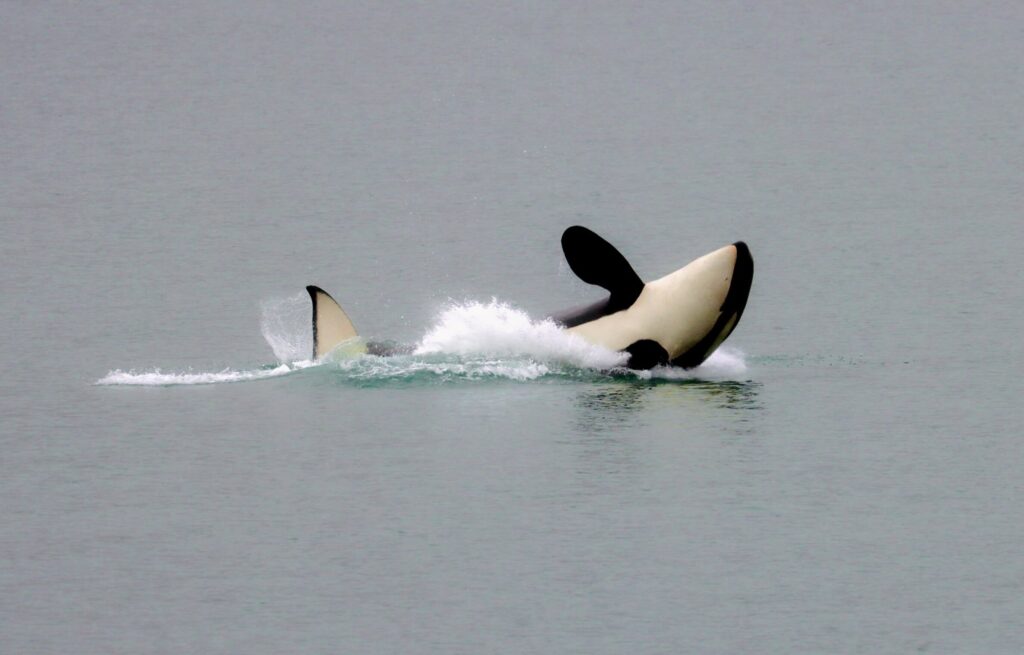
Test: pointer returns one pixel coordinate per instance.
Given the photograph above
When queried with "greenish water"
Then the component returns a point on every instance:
(843, 476)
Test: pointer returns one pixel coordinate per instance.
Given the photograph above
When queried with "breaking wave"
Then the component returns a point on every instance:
(468, 341)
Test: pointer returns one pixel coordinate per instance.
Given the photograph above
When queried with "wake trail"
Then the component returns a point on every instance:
(159, 378)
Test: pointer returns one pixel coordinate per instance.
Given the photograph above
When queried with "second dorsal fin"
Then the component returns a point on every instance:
(331, 325)
(595, 261)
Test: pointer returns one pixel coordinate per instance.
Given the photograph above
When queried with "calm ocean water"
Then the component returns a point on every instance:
(844, 476)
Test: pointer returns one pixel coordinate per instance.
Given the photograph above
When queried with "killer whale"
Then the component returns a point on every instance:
(678, 319)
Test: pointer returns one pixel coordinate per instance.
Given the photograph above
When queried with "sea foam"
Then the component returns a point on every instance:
(498, 329)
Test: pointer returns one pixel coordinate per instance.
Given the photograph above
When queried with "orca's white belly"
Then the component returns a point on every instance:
(677, 311)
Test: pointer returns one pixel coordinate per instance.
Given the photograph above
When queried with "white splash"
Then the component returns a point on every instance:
(285, 324)
(497, 329)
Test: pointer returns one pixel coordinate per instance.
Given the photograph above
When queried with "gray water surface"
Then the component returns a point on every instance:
(848, 480)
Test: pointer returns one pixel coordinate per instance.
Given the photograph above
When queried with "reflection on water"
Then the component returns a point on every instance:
(624, 428)
(623, 403)
(608, 407)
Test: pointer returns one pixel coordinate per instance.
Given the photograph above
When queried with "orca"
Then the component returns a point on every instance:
(678, 319)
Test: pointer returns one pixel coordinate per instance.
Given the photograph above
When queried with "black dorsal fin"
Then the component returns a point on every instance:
(595, 261)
